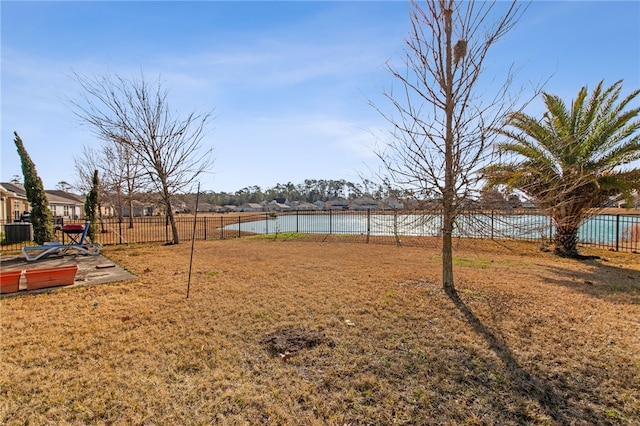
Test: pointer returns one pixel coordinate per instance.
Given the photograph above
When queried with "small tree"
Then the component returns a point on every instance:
(91, 206)
(573, 159)
(40, 217)
(122, 177)
(442, 122)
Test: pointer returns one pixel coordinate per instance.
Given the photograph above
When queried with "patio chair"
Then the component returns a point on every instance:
(79, 244)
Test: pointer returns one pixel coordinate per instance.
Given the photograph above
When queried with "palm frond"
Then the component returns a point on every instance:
(611, 125)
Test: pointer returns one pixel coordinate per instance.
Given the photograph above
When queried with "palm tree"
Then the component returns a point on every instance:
(572, 160)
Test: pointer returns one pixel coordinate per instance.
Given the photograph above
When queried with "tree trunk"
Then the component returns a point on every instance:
(130, 201)
(102, 230)
(565, 241)
(172, 221)
(119, 207)
(448, 190)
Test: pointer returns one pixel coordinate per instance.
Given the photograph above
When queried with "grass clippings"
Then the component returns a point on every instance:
(529, 339)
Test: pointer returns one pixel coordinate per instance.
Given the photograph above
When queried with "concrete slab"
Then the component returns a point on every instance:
(92, 270)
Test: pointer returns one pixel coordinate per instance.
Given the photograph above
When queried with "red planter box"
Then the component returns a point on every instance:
(50, 277)
(10, 281)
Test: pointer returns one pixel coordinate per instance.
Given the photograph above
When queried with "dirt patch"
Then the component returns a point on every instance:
(291, 340)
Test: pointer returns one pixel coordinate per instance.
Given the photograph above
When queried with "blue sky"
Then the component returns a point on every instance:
(288, 81)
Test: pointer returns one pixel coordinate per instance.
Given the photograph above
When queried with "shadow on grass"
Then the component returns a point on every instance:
(521, 381)
(602, 281)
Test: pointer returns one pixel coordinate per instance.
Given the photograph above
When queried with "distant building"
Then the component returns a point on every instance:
(303, 205)
(14, 201)
(139, 209)
(63, 205)
(208, 208)
(337, 204)
(249, 207)
(4, 194)
(365, 203)
(391, 203)
(274, 206)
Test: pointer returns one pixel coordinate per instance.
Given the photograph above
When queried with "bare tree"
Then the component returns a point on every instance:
(134, 116)
(124, 179)
(84, 164)
(442, 122)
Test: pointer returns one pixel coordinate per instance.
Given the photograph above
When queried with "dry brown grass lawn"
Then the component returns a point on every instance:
(533, 339)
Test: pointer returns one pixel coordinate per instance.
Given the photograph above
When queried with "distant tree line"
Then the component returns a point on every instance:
(311, 190)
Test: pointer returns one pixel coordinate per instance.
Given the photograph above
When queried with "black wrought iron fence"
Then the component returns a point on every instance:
(616, 232)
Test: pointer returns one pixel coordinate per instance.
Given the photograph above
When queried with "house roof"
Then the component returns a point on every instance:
(61, 197)
(53, 196)
(365, 201)
(208, 207)
(277, 204)
(251, 205)
(66, 195)
(303, 205)
(16, 188)
(337, 202)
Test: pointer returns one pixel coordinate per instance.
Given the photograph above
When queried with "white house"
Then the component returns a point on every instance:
(65, 205)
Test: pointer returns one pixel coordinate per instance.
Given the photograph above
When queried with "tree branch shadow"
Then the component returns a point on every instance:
(602, 281)
(522, 382)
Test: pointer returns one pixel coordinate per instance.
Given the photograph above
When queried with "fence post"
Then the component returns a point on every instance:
(238, 226)
(395, 226)
(330, 222)
(297, 221)
(492, 224)
(119, 230)
(368, 224)
(617, 232)
(266, 222)
(221, 228)
(204, 218)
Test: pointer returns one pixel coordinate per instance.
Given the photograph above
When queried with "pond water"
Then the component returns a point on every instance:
(605, 229)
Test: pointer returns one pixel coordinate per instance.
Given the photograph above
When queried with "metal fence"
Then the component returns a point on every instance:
(616, 232)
